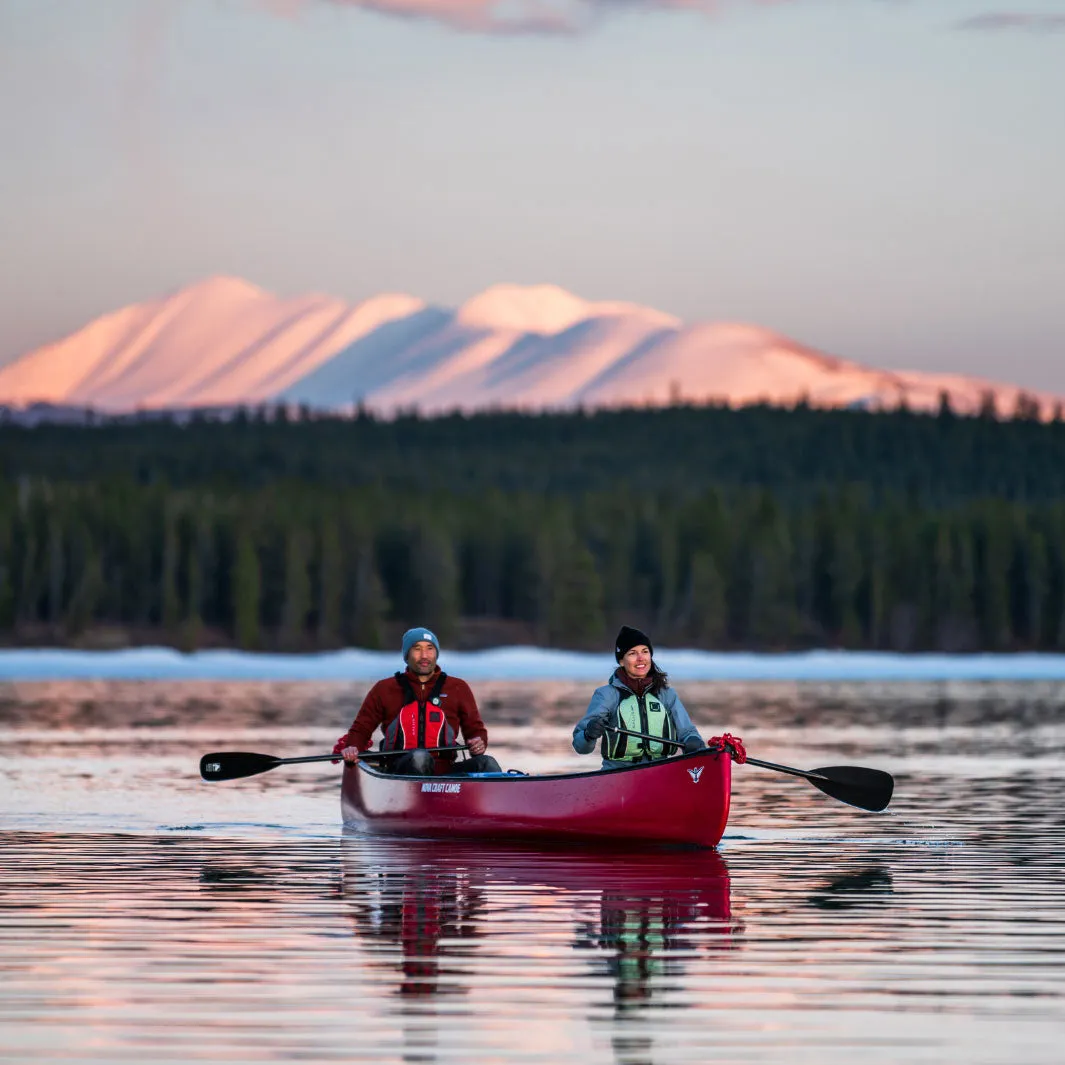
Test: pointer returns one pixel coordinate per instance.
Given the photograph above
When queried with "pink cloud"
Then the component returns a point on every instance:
(573, 16)
(512, 16)
(1001, 20)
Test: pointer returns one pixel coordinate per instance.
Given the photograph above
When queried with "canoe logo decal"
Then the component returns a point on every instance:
(695, 773)
(434, 786)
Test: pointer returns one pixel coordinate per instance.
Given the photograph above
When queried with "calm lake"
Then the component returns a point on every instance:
(147, 915)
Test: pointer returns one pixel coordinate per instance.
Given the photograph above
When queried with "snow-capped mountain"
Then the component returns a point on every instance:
(224, 342)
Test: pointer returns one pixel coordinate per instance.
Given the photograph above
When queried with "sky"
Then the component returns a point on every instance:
(883, 180)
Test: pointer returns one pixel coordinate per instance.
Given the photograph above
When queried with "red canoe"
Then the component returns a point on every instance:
(677, 801)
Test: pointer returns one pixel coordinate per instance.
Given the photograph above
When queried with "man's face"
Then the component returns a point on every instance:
(422, 658)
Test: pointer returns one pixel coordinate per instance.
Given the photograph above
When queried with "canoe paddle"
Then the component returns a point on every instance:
(231, 765)
(868, 789)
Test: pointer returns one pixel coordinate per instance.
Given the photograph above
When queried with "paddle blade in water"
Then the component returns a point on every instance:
(231, 765)
(869, 789)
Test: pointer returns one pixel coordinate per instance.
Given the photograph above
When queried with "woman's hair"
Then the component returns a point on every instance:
(659, 679)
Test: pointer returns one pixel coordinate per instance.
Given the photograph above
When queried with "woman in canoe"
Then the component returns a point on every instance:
(637, 698)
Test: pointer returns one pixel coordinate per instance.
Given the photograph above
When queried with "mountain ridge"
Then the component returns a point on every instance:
(224, 342)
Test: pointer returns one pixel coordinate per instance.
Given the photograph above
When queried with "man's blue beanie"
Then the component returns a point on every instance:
(412, 636)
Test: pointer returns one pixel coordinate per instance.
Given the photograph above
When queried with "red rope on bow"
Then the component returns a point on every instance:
(732, 744)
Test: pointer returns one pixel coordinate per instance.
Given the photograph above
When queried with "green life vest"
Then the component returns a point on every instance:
(641, 939)
(640, 713)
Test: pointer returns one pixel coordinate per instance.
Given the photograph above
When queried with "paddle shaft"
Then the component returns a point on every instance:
(868, 789)
(233, 765)
(365, 754)
(750, 761)
(786, 769)
(410, 750)
(308, 758)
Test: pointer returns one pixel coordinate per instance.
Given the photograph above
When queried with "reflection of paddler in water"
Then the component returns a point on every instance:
(411, 905)
(653, 916)
(663, 904)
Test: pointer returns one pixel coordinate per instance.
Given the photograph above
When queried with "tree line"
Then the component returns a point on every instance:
(300, 564)
(681, 451)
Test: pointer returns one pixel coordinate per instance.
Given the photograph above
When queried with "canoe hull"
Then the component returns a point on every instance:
(681, 801)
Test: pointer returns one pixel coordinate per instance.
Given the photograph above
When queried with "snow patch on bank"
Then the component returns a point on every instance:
(520, 663)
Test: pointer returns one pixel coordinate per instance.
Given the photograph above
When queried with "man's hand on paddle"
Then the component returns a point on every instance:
(476, 745)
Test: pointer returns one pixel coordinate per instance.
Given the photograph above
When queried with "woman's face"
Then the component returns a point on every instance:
(637, 660)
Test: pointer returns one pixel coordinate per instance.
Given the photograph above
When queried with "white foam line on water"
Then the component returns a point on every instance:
(519, 663)
(877, 841)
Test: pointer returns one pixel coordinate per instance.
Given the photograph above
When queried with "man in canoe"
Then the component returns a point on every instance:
(637, 698)
(417, 708)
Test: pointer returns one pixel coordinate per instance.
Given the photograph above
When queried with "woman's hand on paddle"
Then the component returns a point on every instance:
(350, 755)
(476, 745)
(595, 728)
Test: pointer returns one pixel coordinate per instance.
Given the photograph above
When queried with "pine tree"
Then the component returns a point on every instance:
(434, 580)
(764, 580)
(370, 604)
(297, 601)
(170, 599)
(196, 554)
(330, 584)
(992, 562)
(575, 614)
(56, 568)
(708, 617)
(7, 577)
(837, 572)
(27, 556)
(88, 581)
(1027, 586)
(246, 590)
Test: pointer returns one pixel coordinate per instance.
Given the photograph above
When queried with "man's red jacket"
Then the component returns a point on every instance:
(385, 699)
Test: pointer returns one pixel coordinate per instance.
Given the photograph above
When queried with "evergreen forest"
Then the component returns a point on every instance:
(758, 528)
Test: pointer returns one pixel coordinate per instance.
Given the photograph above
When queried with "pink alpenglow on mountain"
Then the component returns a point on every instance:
(220, 342)
(225, 343)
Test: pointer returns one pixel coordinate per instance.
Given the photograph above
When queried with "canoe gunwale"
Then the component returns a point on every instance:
(596, 774)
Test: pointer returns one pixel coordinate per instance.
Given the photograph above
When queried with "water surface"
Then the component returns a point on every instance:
(145, 914)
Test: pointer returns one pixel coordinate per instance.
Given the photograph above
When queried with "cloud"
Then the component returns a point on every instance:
(574, 16)
(513, 16)
(1033, 23)
(484, 16)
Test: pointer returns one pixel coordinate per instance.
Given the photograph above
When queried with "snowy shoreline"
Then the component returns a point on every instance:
(519, 663)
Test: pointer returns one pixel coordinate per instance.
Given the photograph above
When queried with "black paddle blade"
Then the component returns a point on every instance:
(869, 789)
(231, 765)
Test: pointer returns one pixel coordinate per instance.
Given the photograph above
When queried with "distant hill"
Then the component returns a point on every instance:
(225, 343)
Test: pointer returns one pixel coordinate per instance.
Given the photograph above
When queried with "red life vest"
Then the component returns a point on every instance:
(418, 723)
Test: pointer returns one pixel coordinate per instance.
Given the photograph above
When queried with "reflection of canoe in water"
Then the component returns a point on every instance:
(433, 900)
(677, 801)
(643, 873)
